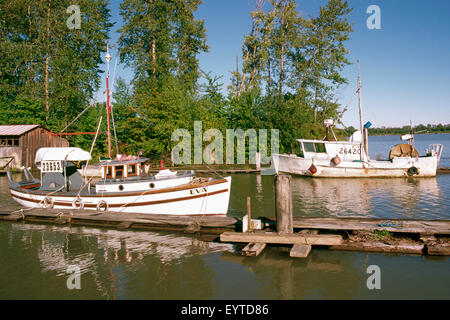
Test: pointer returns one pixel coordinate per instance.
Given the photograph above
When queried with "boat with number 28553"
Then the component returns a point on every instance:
(124, 186)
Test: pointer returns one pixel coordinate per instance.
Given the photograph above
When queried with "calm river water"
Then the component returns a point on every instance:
(114, 264)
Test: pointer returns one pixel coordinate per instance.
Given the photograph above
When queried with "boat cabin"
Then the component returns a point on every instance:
(319, 149)
(121, 169)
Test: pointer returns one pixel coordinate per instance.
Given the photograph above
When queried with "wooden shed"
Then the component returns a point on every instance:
(19, 143)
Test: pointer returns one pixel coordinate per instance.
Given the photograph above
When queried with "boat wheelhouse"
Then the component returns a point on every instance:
(132, 170)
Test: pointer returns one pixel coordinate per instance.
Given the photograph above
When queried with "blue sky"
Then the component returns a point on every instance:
(405, 66)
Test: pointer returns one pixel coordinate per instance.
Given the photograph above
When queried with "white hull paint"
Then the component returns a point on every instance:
(398, 167)
(209, 198)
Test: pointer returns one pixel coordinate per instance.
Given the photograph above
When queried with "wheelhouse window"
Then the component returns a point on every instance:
(309, 147)
(119, 172)
(132, 170)
(316, 147)
(320, 147)
(299, 150)
(108, 172)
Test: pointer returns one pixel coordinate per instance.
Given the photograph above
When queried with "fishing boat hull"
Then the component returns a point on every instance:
(203, 198)
(397, 167)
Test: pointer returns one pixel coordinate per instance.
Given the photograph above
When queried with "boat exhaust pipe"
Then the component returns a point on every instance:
(27, 174)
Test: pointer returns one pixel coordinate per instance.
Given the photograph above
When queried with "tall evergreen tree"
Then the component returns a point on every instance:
(46, 61)
(160, 41)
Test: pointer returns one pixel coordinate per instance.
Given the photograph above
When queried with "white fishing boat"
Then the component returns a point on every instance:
(124, 187)
(318, 158)
(349, 159)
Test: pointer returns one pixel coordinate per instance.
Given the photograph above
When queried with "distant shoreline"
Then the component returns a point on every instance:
(399, 134)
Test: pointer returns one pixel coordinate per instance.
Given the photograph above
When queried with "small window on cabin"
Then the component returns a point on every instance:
(299, 150)
(16, 142)
(119, 172)
(108, 172)
(320, 147)
(132, 170)
(309, 147)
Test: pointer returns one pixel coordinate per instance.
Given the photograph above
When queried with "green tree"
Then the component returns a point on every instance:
(44, 60)
(160, 41)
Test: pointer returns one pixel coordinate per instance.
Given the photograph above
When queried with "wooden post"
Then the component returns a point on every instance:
(258, 161)
(249, 213)
(283, 204)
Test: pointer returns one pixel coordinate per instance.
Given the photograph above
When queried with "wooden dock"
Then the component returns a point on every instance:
(430, 237)
(122, 220)
(299, 234)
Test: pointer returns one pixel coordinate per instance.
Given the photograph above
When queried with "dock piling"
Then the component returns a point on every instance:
(283, 204)
(249, 213)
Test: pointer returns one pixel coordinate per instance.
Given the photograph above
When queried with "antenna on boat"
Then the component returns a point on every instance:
(363, 136)
(108, 105)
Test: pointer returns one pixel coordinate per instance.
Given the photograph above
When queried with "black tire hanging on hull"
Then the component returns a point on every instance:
(412, 171)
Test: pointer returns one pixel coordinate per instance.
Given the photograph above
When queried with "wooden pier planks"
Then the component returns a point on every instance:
(432, 241)
(213, 224)
(253, 249)
(438, 249)
(300, 251)
(370, 224)
(275, 238)
(378, 246)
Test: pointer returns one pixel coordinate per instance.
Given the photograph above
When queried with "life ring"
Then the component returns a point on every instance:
(102, 206)
(412, 171)
(48, 202)
(312, 169)
(336, 160)
(78, 203)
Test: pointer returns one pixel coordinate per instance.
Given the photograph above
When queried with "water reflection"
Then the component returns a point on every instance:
(109, 260)
(417, 198)
(385, 198)
(315, 277)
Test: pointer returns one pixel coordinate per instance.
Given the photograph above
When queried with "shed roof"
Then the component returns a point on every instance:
(16, 130)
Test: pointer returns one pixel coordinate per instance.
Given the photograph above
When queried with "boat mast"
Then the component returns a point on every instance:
(108, 105)
(363, 144)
